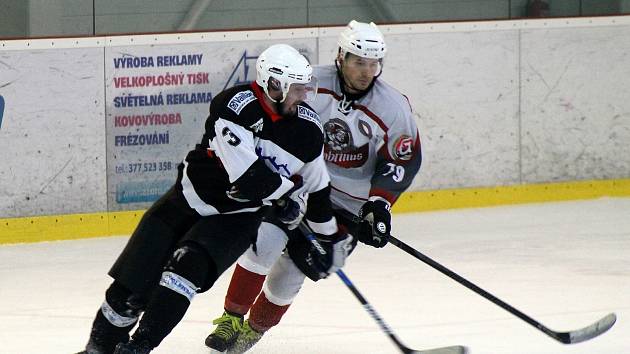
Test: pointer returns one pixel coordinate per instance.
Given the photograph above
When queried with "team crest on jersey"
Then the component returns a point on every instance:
(309, 115)
(240, 100)
(340, 148)
(403, 147)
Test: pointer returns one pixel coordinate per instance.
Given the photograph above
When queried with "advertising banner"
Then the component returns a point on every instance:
(158, 99)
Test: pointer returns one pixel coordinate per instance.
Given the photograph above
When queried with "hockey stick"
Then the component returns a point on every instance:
(570, 337)
(372, 312)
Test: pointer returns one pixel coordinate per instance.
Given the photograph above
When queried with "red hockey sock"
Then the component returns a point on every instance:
(265, 314)
(244, 288)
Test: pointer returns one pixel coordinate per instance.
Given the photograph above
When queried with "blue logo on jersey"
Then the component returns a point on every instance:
(272, 160)
(1, 109)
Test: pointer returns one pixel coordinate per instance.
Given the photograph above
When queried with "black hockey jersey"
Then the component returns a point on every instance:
(248, 153)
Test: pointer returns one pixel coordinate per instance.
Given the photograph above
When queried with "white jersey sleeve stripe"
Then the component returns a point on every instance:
(284, 187)
(325, 228)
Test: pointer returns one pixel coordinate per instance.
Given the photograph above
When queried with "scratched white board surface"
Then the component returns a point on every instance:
(575, 107)
(52, 145)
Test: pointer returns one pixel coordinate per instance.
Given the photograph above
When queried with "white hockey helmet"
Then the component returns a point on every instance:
(362, 39)
(285, 64)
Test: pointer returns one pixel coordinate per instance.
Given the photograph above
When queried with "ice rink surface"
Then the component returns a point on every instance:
(564, 264)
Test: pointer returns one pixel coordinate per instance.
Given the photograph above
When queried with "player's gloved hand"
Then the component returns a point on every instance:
(317, 260)
(375, 224)
(333, 253)
(291, 207)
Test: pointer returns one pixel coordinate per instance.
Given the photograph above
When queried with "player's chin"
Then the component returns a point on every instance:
(362, 85)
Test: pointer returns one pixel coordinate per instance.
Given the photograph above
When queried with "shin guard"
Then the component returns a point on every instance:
(265, 314)
(244, 288)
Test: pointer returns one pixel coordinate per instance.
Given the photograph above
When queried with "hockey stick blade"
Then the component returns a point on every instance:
(577, 336)
(586, 333)
(390, 333)
(457, 349)
(308, 233)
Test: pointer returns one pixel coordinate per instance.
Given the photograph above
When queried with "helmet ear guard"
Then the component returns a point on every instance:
(286, 65)
(274, 84)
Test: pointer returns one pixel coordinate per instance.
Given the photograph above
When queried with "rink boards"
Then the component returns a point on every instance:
(92, 129)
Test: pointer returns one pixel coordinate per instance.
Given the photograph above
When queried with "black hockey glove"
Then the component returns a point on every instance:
(375, 224)
(319, 260)
(291, 207)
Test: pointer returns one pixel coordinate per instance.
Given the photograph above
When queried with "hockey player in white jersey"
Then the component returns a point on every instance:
(372, 152)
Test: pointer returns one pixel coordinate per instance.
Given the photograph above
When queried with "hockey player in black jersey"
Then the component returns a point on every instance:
(261, 144)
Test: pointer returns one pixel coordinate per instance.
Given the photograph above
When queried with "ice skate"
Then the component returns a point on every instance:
(246, 339)
(133, 347)
(224, 336)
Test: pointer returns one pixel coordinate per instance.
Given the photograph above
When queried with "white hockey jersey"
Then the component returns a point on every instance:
(372, 145)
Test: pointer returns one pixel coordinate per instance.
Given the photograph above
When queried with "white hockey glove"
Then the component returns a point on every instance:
(339, 249)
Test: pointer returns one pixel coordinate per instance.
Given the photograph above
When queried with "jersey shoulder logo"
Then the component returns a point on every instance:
(240, 100)
(309, 115)
(403, 147)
